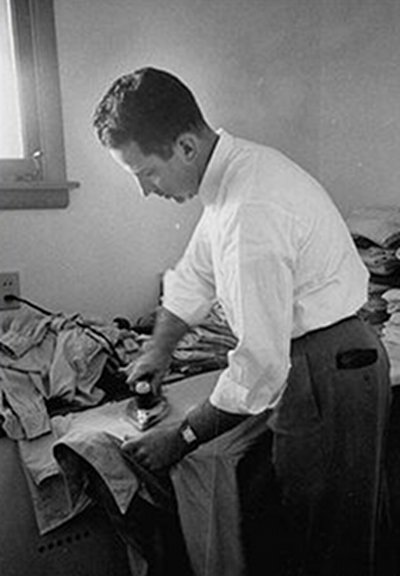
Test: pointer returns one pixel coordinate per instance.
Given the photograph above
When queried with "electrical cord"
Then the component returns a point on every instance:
(91, 331)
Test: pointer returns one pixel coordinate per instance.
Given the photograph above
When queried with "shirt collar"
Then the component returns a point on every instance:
(215, 170)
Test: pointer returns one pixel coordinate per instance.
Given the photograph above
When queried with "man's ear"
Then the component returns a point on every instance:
(187, 147)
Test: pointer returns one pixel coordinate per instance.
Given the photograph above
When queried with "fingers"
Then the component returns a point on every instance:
(155, 450)
(130, 371)
(135, 371)
(137, 453)
(133, 449)
(151, 365)
(128, 443)
(153, 376)
(156, 382)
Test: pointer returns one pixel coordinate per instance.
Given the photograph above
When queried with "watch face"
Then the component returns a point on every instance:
(188, 435)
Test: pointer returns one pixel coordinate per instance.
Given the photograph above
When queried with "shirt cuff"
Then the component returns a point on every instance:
(230, 396)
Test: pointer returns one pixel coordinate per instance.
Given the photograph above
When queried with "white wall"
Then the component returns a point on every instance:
(318, 79)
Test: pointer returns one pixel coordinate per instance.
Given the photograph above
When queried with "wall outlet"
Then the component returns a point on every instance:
(9, 285)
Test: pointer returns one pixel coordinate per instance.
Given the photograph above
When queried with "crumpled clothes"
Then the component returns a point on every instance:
(391, 332)
(391, 328)
(22, 332)
(47, 358)
(57, 482)
(392, 298)
(205, 347)
(381, 225)
(22, 397)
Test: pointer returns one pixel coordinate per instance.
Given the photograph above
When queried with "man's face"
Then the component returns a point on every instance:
(175, 178)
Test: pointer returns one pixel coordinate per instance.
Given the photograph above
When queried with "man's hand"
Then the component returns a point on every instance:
(157, 449)
(151, 365)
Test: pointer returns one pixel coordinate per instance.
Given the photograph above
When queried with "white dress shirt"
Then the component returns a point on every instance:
(274, 250)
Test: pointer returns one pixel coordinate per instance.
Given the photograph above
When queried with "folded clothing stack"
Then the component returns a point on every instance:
(391, 331)
(204, 348)
(376, 233)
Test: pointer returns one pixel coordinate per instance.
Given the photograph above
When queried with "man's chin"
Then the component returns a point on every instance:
(179, 199)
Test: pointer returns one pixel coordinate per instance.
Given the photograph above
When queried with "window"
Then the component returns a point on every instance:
(32, 164)
(11, 134)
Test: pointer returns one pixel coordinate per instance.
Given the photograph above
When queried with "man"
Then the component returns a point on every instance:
(271, 246)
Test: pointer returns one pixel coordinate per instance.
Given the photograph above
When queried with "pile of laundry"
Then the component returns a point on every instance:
(376, 233)
(54, 361)
(391, 329)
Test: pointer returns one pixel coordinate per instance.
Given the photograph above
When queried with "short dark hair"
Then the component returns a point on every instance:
(150, 107)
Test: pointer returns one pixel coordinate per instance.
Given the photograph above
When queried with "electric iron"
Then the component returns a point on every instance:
(146, 409)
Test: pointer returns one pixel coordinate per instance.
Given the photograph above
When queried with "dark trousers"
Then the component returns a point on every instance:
(328, 445)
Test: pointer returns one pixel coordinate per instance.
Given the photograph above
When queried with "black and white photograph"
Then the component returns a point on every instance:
(199, 288)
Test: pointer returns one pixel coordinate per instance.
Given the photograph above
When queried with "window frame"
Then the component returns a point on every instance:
(39, 179)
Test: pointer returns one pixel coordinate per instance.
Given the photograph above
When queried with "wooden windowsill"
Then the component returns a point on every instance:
(22, 195)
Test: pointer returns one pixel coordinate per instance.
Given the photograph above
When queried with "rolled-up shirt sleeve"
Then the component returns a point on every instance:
(189, 288)
(258, 287)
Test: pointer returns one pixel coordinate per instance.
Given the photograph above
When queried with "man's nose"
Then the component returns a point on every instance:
(145, 191)
(145, 187)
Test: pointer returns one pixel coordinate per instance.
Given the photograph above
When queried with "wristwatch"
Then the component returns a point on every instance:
(188, 435)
